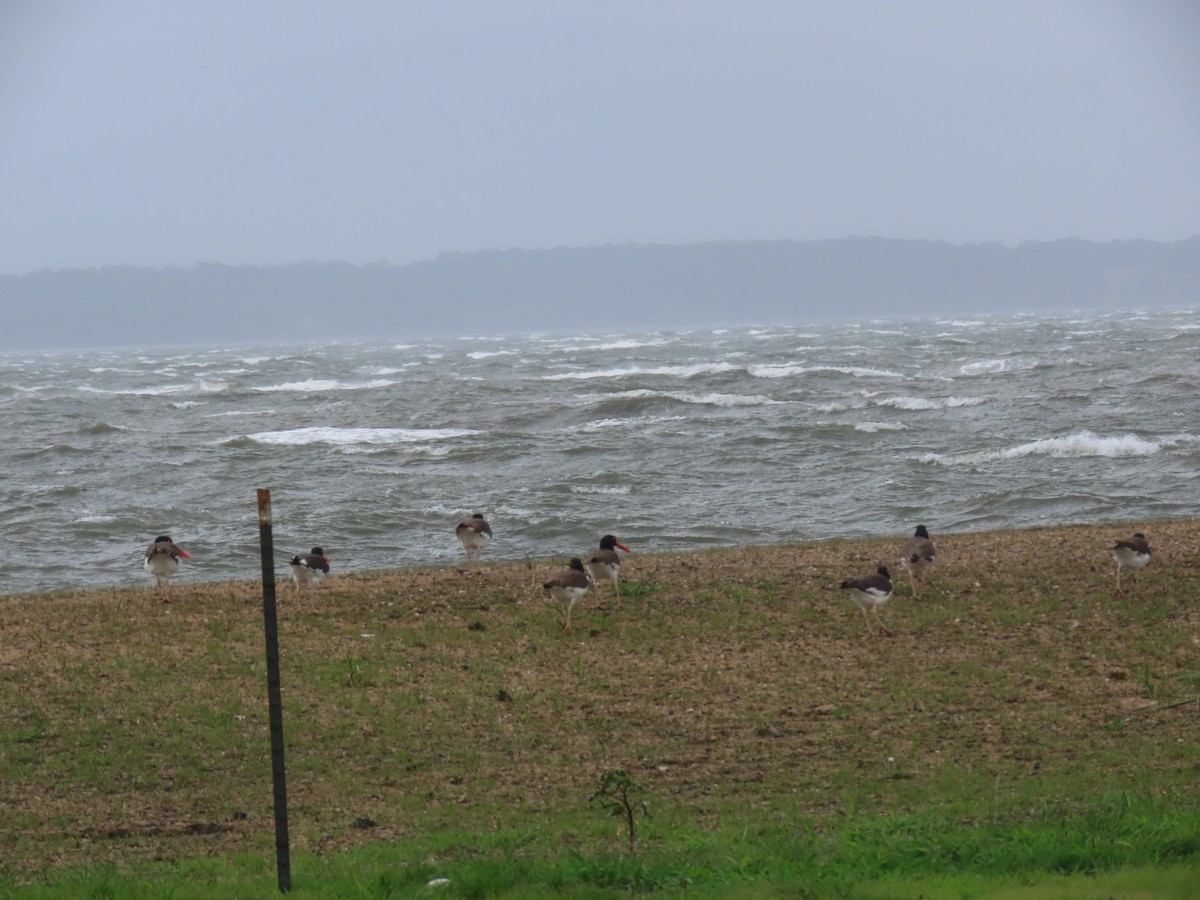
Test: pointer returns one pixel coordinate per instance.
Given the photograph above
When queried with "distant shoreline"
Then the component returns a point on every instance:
(653, 286)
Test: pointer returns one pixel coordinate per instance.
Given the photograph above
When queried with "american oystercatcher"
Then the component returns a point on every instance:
(309, 569)
(162, 561)
(474, 534)
(870, 593)
(566, 588)
(605, 563)
(917, 556)
(1134, 553)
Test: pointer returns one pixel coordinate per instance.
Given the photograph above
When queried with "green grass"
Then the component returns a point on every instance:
(1113, 846)
(1021, 731)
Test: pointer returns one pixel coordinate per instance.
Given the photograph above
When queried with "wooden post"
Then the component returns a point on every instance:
(283, 861)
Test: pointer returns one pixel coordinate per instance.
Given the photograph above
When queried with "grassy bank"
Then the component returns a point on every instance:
(1020, 723)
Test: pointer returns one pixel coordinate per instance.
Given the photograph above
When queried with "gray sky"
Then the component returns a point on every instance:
(149, 132)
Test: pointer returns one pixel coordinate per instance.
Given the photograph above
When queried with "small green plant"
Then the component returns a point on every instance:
(354, 672)
(616, 794)
(1150, 682)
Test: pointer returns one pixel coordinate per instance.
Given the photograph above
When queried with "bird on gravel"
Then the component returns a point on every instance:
(1134, 553)
(605, 563)
(162, 561)
(566, 588)
(917, 556)
(474, 534)
(309, 569)
(870, 593)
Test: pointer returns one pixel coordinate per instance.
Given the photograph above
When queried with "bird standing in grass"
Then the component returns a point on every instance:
(1134, 553)
(309, 569)
(605, 563)
(917, 556)
(162, 561)
(474, 534)
(566, 588)
(870, 593)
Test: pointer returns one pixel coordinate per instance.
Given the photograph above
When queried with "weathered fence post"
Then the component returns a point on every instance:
(283, 861)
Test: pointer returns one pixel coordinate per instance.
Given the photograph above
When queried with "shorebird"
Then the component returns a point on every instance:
(567, 587)
(605, 563)
(917, 556)
(1134, 553)
(474, 534)
(870, 593)
(162, 561)
(309, 569)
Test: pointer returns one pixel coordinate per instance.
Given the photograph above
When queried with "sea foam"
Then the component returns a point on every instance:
(328, 435)
(319, 385)
(1081, 443)
(784, 371)
(674, 371)
(923, 403)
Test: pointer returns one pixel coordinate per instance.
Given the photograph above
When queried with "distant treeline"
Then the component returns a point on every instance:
(627, 287)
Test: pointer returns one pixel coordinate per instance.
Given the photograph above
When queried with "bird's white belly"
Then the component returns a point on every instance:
(161, 564)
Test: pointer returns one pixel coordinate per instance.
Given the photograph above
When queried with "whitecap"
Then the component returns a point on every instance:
(915, 404)
(640, 421)
(599, 489)
(317, 385)
(1086, 443)
(1080, 444)
(872, 427)
(581, 344)
(777, 370)
(725, 399)
(986, 367)
(676, 371)
(322, 434)
(487, 354)
(836, 407)
(783, 371)
(138, 392)
(630, 344)
(711, 399)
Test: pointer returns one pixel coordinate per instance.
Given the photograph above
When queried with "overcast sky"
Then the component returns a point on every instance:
(272, 131)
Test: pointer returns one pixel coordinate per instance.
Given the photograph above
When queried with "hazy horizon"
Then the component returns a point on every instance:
(604, 289)
(146, 134)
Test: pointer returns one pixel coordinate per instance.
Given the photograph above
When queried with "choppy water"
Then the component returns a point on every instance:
(670, 440)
